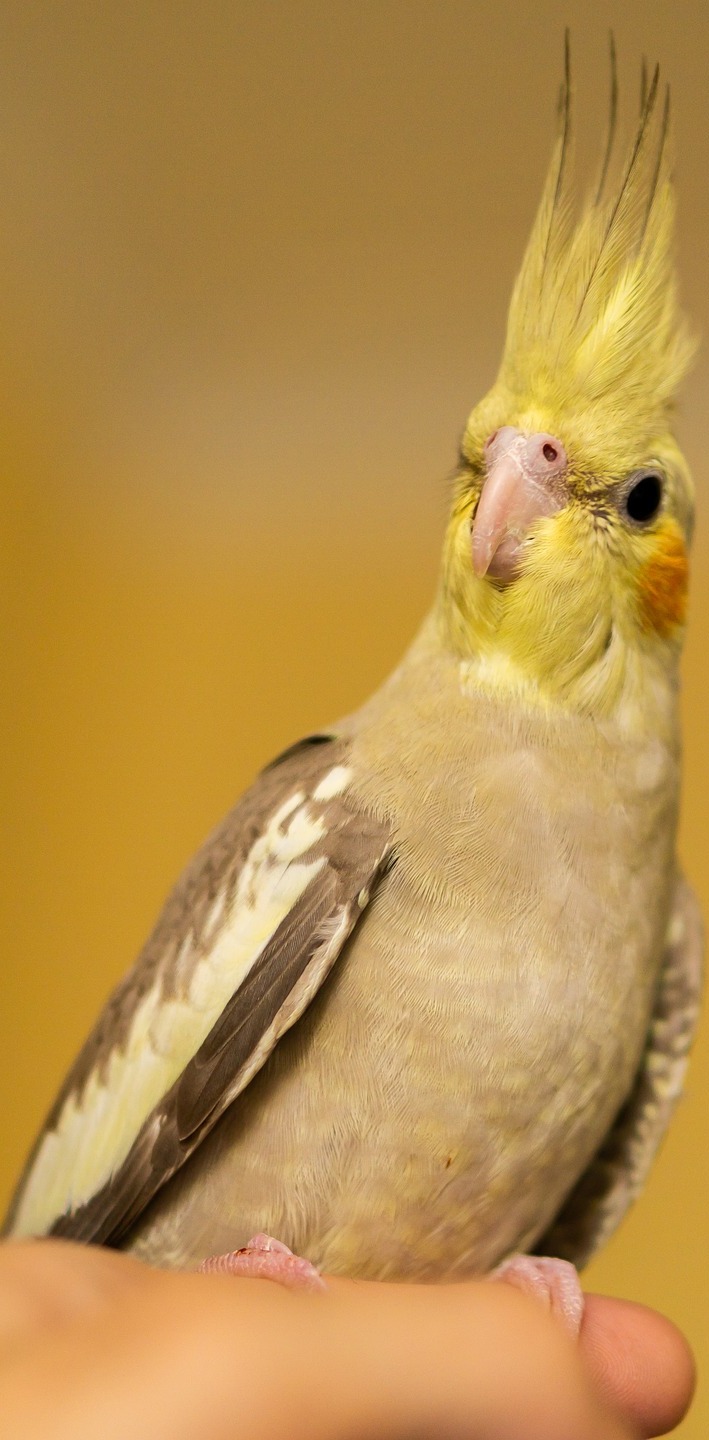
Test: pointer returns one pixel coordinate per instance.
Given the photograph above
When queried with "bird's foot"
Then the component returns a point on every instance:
(554, 1282)
(266, 1259)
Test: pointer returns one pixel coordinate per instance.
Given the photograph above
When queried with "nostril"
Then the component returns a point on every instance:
(550, 452)
(491, 439)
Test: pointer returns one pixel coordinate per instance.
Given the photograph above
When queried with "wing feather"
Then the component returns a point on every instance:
(243, 944)
(616, 1175)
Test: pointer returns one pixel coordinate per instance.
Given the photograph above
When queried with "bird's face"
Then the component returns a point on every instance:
(565, 565)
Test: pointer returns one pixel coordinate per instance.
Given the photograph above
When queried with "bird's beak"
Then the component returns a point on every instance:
(525, 481)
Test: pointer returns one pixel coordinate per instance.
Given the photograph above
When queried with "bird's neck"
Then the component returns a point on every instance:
(615, 684)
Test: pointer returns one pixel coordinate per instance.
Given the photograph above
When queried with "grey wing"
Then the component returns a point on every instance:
(243, 944)
(618, 1172)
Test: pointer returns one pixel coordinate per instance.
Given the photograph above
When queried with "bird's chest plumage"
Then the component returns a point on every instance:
(481, 1028)
(519, 937)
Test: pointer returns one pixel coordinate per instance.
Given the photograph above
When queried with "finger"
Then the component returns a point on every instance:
(390, 1360)
(640, 1362)
(201, 1358)
(49, 1283)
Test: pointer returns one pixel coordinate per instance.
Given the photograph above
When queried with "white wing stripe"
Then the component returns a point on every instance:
(333, 783)
(94, 1134)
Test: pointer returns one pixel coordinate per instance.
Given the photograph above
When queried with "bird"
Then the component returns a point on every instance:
(420, 1007)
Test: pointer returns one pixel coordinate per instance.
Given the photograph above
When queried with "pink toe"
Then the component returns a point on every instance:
(555, 1283)
(266, 1259)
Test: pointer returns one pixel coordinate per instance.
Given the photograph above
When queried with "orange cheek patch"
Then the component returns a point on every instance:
(663, 585)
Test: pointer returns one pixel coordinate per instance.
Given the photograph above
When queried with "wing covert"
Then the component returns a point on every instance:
(243, 943)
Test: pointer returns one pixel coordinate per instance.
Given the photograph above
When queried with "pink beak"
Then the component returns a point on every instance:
(524, 482)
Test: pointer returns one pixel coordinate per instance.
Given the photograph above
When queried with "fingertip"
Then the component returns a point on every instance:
(640, 1361)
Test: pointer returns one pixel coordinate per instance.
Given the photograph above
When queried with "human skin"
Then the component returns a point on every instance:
(96, 1343)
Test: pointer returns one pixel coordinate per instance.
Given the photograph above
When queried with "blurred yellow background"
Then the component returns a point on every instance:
(256, 259)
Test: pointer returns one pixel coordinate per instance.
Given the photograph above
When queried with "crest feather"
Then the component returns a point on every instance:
(594, 312)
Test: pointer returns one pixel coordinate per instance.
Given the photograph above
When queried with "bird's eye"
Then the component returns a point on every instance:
(644, 497)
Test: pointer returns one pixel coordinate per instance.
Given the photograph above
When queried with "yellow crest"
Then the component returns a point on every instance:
(594, 321)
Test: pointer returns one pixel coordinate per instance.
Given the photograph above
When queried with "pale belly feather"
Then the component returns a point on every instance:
(431, 1110)
(479, 1033)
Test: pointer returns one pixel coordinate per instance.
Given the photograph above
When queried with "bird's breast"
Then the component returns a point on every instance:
(482, 1027)
(505, 975)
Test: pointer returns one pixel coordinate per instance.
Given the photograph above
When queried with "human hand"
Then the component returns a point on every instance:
(95, 1344)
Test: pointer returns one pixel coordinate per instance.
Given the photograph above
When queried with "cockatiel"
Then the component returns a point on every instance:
(424, 999)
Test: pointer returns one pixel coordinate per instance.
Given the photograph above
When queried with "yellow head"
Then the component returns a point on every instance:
(565, 562)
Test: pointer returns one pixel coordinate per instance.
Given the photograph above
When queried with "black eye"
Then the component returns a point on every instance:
(644, 498)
